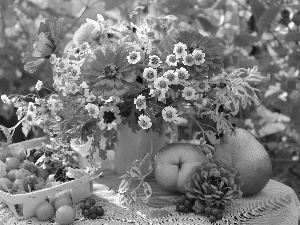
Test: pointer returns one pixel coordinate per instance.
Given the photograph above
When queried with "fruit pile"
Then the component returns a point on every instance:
(185, 205)
(90, 210)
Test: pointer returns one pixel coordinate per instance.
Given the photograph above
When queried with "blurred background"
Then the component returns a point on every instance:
(263, 33)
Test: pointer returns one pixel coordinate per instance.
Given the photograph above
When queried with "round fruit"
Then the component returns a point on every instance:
(93, 216)
(12, 175)
(51, 178)
(43, 173)
(19, 154)
(65, 215)
(92, 201)
(93, 209)
(12, 163)
(86, 212)
(241, 150)
(82, 205)
(3, 157)
(100, 211)
(7, 182)
(88, 205)
(64, 200)
(44, 211)
(174, 162)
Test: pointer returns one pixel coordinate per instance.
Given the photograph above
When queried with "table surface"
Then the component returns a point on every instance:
(275, 204)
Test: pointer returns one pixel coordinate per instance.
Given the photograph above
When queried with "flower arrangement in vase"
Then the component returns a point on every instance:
(144, 76)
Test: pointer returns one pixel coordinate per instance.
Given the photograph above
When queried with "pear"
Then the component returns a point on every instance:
(241, 150)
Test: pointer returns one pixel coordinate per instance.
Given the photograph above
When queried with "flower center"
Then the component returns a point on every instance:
(110, 71)
(215, 181)
(108, 117)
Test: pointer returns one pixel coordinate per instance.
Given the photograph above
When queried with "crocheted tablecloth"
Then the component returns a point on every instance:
(275, 204)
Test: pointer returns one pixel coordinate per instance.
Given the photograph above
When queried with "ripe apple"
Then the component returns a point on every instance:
(241, 150)
(12, 163)
(174, 162)
(3, 157)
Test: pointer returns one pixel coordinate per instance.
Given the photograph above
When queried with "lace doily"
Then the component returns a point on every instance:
(275, 204)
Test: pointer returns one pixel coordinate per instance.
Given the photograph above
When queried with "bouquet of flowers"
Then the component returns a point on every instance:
(145, 75)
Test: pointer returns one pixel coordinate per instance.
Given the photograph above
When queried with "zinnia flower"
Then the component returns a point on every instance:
(182, 75)
(171, 60)
(150, 74)
(154, 61)
(210, 47)
(171, 76)
(161, 83)
(212, 185)
(180, 50)
(134, 57)
(188, 93)
(92, 109)
(140, 102)
(108, 72)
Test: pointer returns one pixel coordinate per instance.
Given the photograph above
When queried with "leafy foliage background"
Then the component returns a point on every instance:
(265, 33)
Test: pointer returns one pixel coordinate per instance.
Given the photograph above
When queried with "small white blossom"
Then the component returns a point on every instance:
(171, 60)
(19, 112)
(182, 75)
(73, 88)
(5, 99)
(140, 102)
(180, 50)
(92, 109)
(91, 98)
(134, 57)
(161, 83)
(169, 114)
(145, 122)
(53, 59)
(199, 57)
(171, 75)
(188, 60)
(160, 94)
(39, 85)
(84, 85)
(154, 61)
(32, 108)
(188, 93)
(150, 74)
(30, 118)
(84, 47)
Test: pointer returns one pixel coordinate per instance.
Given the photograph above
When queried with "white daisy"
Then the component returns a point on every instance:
(171, 60)
(150, 74)
(145, 122)
(91, 98)
(134, 57)
(188, 60)
(154, 61)
(140, 102)
(171, 75)
(160, 94)
(199, 56)
(92, 109)
(53, 59)
(182, 75)
(169, 114)
(161, 83)
(188, 93)
(180, 50)
(84, 85)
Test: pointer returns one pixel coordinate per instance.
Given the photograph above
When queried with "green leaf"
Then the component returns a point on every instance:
(294, 59)
(296, 18)
(257, 8)
(243, 40)
(207, 25)
(293, 36)
(267, 18)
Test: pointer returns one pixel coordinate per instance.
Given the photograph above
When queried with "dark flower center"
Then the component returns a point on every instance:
(108, 117)
(215, 181)
(110, 71)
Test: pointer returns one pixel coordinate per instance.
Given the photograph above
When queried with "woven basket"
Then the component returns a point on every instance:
(80, 189)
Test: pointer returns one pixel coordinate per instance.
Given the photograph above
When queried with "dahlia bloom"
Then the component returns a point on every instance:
(213, 185)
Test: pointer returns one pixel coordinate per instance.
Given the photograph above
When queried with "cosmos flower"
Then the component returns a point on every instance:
(108, 72)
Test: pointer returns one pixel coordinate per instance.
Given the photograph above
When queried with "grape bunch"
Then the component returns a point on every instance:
(214, 213)
(90, 210)
(61, 175)
(184, 204)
